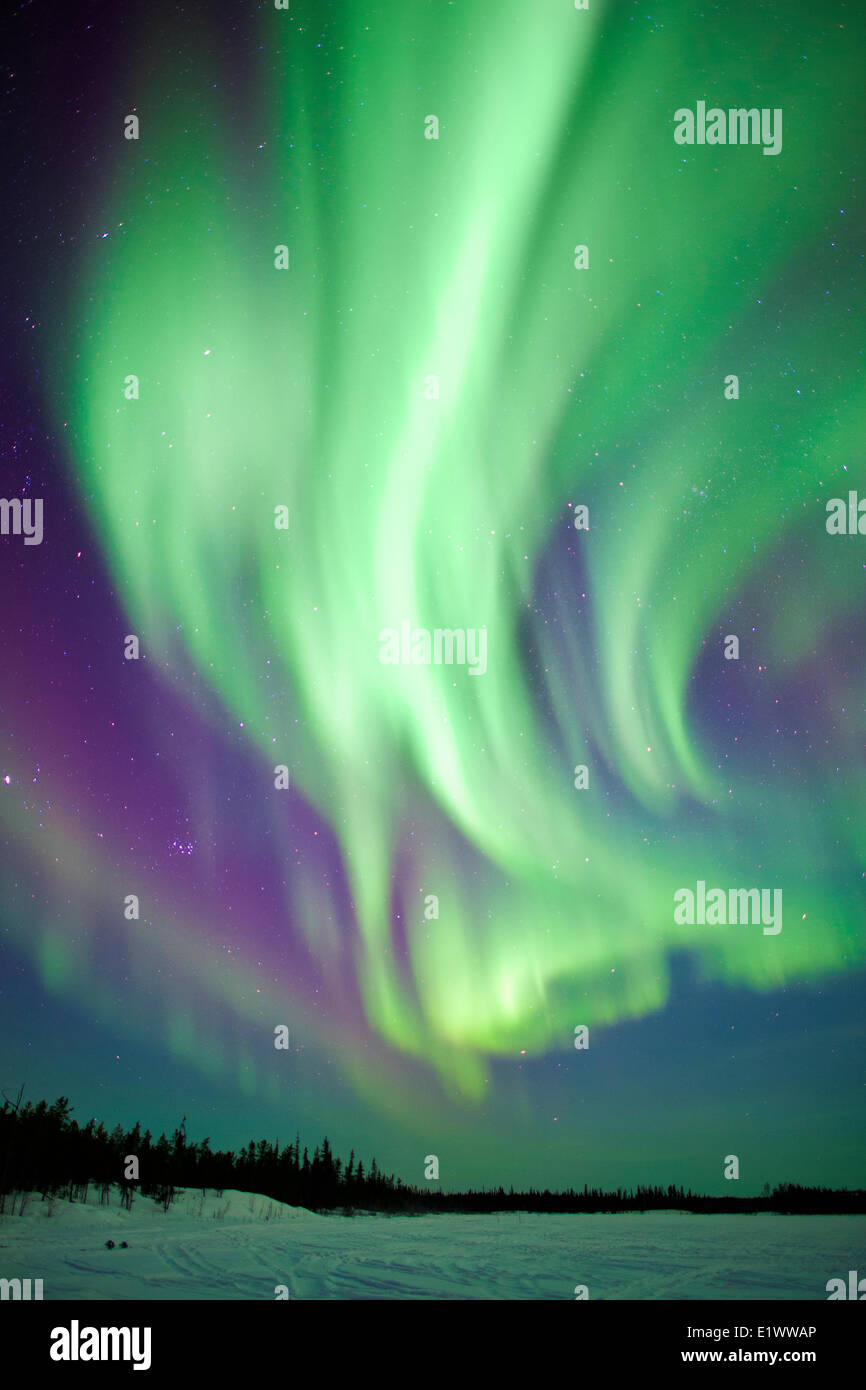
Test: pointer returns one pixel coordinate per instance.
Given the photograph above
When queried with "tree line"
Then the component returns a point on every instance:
(43, 1149)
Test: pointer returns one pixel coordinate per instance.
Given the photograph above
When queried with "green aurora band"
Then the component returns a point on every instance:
(306, 388)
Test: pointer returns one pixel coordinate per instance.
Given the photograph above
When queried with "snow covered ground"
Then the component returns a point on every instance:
(242, 1247)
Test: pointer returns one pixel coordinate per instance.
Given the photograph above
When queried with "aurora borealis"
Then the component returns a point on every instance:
(430, 388)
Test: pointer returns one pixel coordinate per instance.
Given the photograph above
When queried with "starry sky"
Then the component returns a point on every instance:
(309, 388)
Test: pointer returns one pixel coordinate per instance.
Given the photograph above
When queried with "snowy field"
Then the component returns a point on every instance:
(241, 1247)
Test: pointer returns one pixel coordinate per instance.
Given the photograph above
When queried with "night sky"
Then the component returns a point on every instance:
(445, 505)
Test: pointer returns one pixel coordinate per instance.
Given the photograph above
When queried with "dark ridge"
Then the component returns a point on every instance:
(42, 1149)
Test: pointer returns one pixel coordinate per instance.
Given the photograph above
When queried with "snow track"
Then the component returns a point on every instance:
(240, 1246)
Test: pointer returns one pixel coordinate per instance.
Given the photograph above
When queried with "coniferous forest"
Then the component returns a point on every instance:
(43, 1149)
